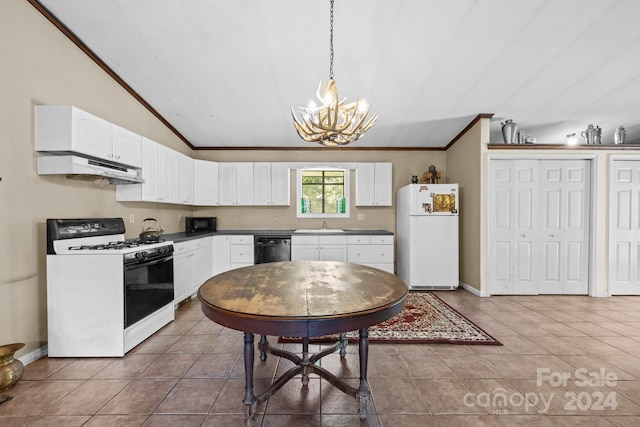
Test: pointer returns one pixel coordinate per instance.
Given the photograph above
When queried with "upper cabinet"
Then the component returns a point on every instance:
(182, 179)
(127, 147)
(271, 184)
(373, 184)
(235, 183)
(168, 177)
(205, 183)
(65, 128)
(157, 166)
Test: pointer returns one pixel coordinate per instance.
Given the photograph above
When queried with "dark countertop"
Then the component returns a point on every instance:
(184, 236)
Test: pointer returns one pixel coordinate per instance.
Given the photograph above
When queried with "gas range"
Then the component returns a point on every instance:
(105, 294)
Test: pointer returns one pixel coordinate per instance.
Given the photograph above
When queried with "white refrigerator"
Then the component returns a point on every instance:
(427, 236)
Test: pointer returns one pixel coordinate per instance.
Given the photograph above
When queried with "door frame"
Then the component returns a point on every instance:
(593, 165)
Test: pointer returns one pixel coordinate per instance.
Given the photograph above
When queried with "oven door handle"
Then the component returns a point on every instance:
(147, 263)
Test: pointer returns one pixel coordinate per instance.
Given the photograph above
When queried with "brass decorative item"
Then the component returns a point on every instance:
(334, 122)
(431, 176)
(11, 369)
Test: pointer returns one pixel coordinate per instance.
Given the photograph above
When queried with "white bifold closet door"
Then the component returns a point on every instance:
(624, 228)
(539, 213)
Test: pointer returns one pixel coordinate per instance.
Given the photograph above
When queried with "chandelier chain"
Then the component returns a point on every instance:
(331, 41)
(334, 122)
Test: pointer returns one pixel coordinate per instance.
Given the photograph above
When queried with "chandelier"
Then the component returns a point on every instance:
(334, 122)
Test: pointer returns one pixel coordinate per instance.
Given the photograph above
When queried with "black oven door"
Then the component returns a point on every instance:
(148, 288)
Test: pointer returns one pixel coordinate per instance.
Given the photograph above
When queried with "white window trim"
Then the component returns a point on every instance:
(347, 192)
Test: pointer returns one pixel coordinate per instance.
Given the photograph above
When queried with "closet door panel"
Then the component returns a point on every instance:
(539, 227)
(624, 227)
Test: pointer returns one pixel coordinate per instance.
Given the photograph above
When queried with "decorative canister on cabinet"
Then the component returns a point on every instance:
(509, 129)
(11, 369)
(619, 135)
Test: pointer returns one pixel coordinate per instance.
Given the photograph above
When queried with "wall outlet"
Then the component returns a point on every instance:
(132, 218)
(360, 217)
(179, 217)
(276, 217)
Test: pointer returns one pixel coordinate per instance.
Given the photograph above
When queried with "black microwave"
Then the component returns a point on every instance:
(200, 224)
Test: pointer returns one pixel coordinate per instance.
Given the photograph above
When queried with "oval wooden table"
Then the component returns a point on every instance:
(302, 299)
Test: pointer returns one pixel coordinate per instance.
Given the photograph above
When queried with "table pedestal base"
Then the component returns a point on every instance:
(305, 365)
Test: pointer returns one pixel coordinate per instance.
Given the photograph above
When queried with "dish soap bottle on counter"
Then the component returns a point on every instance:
(305, 204)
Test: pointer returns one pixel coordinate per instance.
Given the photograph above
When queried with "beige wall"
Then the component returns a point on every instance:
(41, 66)
(464, 166)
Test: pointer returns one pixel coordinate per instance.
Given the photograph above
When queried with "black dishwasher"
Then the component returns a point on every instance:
(271, 248)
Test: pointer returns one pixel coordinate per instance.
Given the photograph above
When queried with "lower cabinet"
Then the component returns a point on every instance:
(221, 256)
(319, 248)
(241, 251)
(189, 268)
(231, 251)
(372, 251)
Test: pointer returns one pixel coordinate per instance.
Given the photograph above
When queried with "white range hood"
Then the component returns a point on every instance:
(78, 167)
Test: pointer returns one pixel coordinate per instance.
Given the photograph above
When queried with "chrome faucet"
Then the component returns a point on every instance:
(324, 225)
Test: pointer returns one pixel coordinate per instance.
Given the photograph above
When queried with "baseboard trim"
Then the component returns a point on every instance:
(34, 355)
(473, 290)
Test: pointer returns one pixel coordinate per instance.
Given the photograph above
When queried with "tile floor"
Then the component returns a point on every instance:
(566, 361)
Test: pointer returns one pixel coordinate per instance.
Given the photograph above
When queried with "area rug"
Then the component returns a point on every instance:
(425, 318)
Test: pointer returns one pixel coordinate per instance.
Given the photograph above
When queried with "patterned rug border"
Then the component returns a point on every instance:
(331, 338)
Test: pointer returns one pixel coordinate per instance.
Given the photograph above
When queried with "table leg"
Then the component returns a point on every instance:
(264, 344)
(343, 345)
(363, 394)
(249, 397)
(305, 361)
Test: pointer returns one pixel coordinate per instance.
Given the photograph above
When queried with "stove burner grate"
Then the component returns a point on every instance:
(123, 244)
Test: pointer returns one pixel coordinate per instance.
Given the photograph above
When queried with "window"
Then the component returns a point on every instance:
(323, 193)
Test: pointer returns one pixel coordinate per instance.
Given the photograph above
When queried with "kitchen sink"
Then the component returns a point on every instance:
(320, 230)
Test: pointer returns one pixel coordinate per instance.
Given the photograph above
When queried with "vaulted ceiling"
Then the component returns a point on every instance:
(224, 73)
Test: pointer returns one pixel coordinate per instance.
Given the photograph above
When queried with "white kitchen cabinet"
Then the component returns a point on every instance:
(373, 184)
(157, 173)
(235, 183)
(241, 251)
(168, 177)
(181, 277)
(182, 179)
(205, 183)
(208, 258)
(230, 252)
(189, 268)
(127, 147)
(65, 128)
(371, 250)
(221, 258)
(319, 248)
(271, 184)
